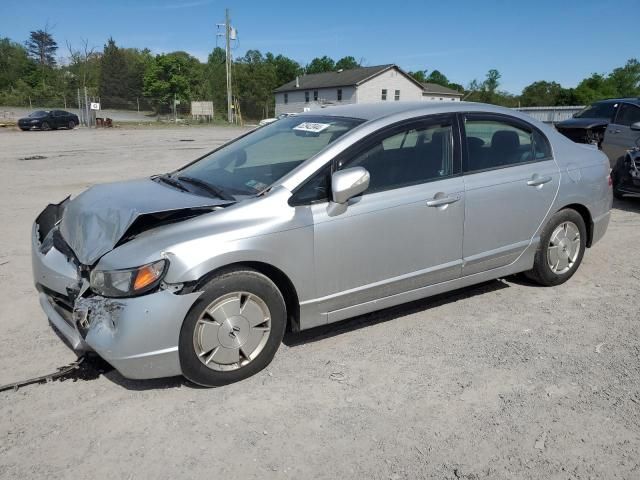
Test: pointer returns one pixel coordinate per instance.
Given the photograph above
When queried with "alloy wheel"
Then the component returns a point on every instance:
(564, 247)
(232, 331)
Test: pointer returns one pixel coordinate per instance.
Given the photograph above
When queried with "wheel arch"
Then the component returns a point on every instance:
(277, 276)
(586, 216)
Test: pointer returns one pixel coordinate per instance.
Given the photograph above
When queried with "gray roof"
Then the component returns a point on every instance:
(372, 111)
(439, 89)
(354, 76)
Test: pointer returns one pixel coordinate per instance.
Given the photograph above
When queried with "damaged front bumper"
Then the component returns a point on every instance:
(137, 335)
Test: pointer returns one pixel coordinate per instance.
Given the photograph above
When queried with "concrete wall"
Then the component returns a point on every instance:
(551, 114)
(371, 90)
(326, 96)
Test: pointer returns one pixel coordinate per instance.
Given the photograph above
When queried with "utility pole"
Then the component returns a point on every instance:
(227, 34)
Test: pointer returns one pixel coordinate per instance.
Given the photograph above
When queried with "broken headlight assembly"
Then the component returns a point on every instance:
(130, 282)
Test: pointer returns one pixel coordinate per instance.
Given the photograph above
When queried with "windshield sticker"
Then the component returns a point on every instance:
(312, 127)
(258, 186)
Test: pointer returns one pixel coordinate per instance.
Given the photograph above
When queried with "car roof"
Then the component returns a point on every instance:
(634, 100)
(373, 111)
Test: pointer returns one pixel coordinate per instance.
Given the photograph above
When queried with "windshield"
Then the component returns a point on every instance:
(39, 113)
(598, 110)
(255, 161)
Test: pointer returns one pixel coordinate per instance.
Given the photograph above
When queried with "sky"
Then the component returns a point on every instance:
(526, 41)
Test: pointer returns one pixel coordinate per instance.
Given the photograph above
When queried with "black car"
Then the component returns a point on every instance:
(48, 120)
(589, 125)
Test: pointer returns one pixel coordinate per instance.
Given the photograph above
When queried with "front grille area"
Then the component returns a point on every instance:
(61, 303)
(577, 135)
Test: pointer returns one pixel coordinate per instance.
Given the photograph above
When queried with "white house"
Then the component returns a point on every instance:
(437, 93)
(382, 83)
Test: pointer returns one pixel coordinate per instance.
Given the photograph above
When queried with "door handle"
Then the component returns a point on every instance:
(537, 180)
(611, 130)
(439, 202)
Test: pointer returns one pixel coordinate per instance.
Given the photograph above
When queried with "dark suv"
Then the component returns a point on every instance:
(589, 125)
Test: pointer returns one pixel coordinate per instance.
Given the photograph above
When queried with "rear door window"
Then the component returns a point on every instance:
(627, 115)
(496, 143)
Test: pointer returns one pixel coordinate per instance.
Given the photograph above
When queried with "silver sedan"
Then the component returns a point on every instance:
(310, 220)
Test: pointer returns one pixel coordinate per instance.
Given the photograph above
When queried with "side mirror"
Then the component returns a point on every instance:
(635, 126)
(348, 183)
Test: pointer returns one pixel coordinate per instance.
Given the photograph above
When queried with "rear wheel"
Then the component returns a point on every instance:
(561, 249)
(71, 125)
(233, 330)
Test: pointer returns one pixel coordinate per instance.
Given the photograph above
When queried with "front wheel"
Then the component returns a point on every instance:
(562, 245)
(233, 330)
(45, 126)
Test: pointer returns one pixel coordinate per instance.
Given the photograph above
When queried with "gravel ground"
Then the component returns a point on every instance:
(503, 380)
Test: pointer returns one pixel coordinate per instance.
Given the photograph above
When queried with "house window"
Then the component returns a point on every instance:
(384, 94)
(315, 95)
(286, 98)
(397, 95)
(306, 97)
(339, 94)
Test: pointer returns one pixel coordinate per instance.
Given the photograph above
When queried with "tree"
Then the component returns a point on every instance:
(347, 63)
(438, 78)
(113, 75)
(286, 69)
(170, 76)
(492, 81)
(419, 75)
(15, 63)
(84, 64)
(541, 93)
(320, 65)
(596, 87)
(626, 80)
(42, 48)
(256, 79)
(215, 87)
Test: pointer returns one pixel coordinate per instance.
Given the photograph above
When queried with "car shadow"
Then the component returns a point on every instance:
(327, 331)
(154, 384)
(627, 204)
(292, 339)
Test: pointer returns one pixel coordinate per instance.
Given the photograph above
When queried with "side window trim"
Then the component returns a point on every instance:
(497, 117)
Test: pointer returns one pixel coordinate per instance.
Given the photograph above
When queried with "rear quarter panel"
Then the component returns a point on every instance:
(584, 176)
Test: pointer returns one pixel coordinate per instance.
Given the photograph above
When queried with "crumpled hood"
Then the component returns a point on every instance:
(583, 123)
(95, 221)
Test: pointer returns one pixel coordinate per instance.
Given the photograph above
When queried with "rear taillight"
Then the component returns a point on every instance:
(610, 180)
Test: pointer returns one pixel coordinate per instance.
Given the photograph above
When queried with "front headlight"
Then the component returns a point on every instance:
(128, 283)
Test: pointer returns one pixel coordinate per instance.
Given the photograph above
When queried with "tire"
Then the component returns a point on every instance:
(25, 129)
(71, 125)
(45, 126)
(616, 173)
(566, 222)
(233, 330)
